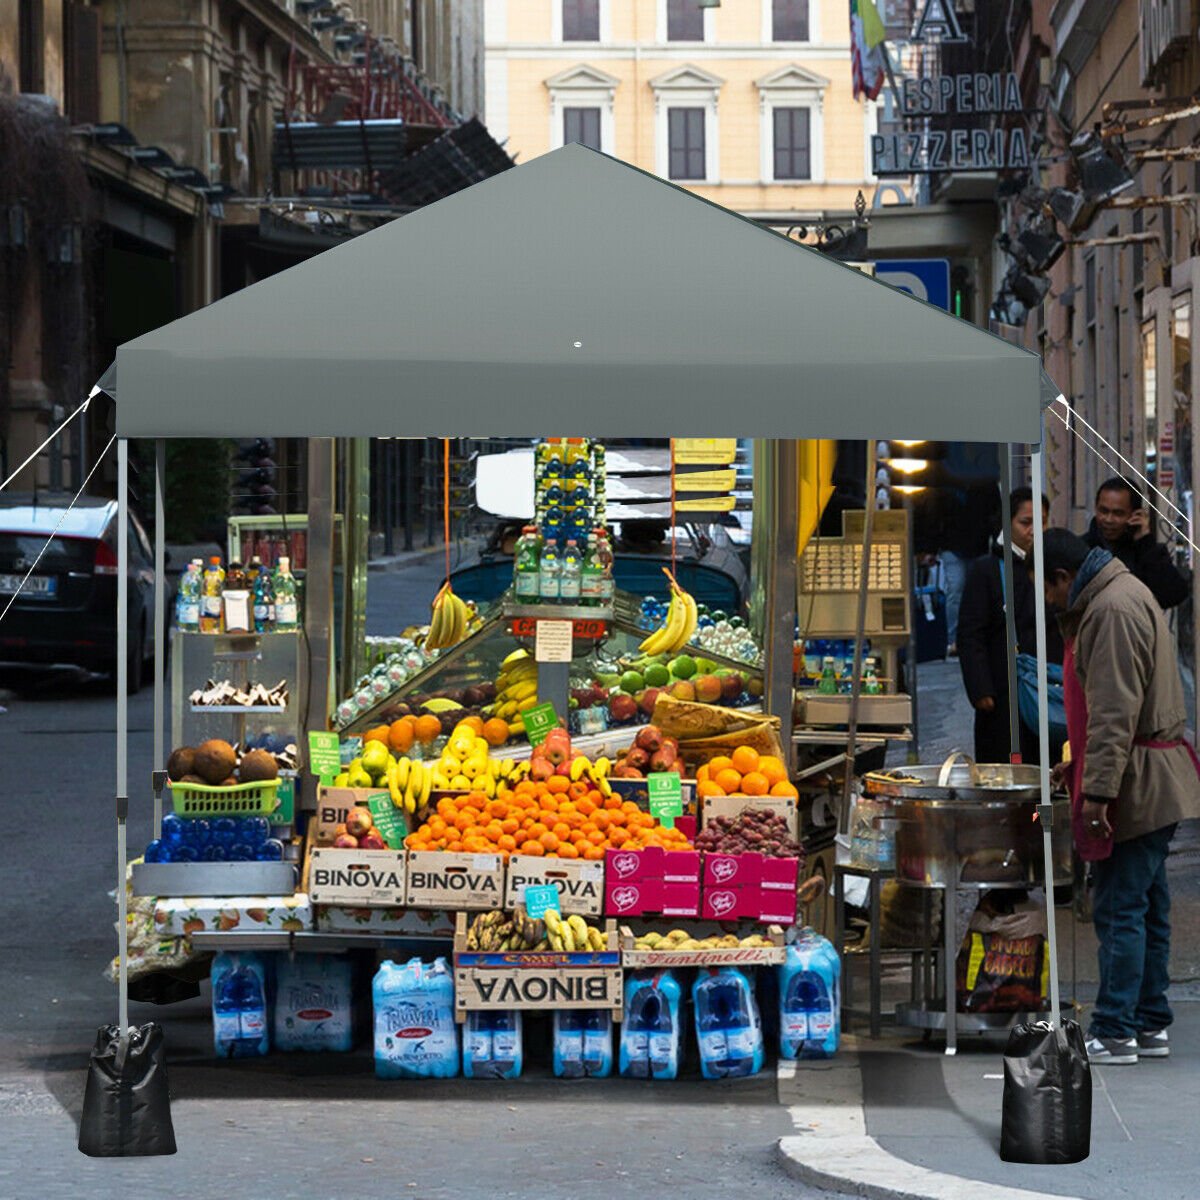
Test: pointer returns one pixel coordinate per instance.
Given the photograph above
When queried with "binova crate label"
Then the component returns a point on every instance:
(437, 880)
(364, 877)
(481, 988)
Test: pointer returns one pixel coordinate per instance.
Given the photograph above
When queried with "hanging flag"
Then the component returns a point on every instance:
(866, 55)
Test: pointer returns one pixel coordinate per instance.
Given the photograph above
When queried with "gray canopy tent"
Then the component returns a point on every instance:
(581, 294)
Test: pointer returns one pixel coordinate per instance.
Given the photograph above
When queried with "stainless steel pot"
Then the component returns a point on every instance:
(964, 822)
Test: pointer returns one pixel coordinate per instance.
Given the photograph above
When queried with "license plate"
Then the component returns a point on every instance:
(35, 585)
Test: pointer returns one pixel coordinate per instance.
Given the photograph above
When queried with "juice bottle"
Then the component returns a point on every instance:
(210, 597)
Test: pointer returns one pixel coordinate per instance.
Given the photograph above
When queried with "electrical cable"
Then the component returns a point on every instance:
(50, 539)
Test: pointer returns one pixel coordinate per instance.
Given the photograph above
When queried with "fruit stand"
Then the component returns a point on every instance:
(473, 776)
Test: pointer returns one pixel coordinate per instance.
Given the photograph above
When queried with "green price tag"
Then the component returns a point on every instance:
(665, 790)
(324, 757)
(538, 721)
(388, 820)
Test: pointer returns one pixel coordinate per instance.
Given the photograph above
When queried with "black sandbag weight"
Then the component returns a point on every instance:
(126, 1104)
(1047, 1116)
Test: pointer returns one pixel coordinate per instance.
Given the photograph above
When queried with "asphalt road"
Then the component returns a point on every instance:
(303, 1127)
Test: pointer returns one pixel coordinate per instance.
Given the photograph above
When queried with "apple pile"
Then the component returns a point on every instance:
(753, 829)
(551, 757)
(359, 832)
(651, 752)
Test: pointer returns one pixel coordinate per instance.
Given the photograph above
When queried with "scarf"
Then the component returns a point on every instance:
(1096, 561)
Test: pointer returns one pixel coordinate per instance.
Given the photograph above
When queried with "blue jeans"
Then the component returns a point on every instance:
(954, 579)
(1131, 909)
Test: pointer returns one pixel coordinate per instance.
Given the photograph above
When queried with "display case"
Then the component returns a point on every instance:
(604, 658)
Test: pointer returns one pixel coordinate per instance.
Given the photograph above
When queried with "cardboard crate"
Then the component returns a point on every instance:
(730, 806)
(580, 882)
(182, 916)
(415, 923)
(438, 879)
(733, 956)
(492, 988)
(333, 803)
(655, 897)
(357, 878)
(538, 959)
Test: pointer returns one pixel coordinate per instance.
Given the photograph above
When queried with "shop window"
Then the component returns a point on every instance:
(582, 125)
(580, 20)
(30, 43)
(793, 143)
(685, 136)
(789, 20)
(1139, 254)
(1150, 398)
(1175, 444)
(685, 21)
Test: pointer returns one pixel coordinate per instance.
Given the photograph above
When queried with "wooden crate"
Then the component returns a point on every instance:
(580, 883)
(740, 956)
(730, 806)
(440, 879)
(333, 803)
(358, 878)
(536, 980)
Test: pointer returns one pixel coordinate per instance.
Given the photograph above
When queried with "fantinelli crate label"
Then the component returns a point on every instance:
(362, 878)
(580, 884)
(455, 881)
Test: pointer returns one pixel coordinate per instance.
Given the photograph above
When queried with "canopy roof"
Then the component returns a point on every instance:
(575, 294)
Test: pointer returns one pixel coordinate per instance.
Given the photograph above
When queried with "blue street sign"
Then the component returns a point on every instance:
(926, 278)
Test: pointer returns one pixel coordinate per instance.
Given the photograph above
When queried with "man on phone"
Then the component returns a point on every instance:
(1123, 526)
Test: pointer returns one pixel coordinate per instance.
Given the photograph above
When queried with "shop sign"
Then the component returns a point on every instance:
(950, 150)
(1164, 30)
(587, 628)
(553, 642)
(936, 95)
(938, 22)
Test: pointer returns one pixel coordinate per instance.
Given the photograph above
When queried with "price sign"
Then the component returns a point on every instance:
(665, 790)
(590, 628)
(538, 722)
(553, 644)
(540, 898)
(388, 820)
(324, 757)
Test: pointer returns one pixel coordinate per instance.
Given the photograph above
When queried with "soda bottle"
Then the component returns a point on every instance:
(210, 601)
(550, 574)
(264, 598)
(286, 608)
(571, 575)
(871, 684)
(235, 577)
(591, 582)
(187, 599)
(828, 684)
(526, 556)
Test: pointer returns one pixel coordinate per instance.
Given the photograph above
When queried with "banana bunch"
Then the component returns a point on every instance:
(495, 931)
(596, 772)
(573, 934)
(516, 689)
(678, 626)
(410, 781)
(449, 621)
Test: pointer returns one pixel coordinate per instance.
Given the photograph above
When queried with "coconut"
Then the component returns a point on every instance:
(258, 766)
(215, 761)
(182, 762)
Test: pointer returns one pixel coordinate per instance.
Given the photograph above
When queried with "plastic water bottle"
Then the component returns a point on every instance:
(187, 600)
(568, 1044)
(597, 1043)
(314, 1002)
(810, 999)
(506, 1045)
(550, 573)
(239, 1005)
(526, 583)
(264, 597)
(728, 1027)
(287, 609)
(650, 1033)
(604, 556)
(210, 599)
(591, 584)
(571, 574)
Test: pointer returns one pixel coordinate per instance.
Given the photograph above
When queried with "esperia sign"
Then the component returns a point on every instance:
(926, 150)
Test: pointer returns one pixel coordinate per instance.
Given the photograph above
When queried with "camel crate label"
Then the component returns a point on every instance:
(484, 988)
(362, 878)
(580, 884)
(454, 881)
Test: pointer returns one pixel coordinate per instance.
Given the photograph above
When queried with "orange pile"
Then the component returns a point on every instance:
(744, 773)
(555, 818)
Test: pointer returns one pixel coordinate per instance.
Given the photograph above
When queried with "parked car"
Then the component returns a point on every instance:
(67, 610)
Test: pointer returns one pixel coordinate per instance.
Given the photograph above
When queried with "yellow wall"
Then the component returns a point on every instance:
(521, 56)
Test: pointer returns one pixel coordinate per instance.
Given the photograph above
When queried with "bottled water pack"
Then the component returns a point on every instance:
(583, 1043)
(651, 1033)
(492, 1045)
(728, 1025)
(239, 1004)
(314, 1002)
(415, 1033)
(810, 998)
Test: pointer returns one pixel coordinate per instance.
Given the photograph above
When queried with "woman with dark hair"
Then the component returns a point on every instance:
(983, 636)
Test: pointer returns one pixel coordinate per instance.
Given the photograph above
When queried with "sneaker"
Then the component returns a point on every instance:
(1112, 1052)
(1152, 1044)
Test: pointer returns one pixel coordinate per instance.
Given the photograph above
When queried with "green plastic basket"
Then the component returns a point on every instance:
(240, 800)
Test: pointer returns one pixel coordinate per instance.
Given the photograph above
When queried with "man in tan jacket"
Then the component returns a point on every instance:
(1140, 778)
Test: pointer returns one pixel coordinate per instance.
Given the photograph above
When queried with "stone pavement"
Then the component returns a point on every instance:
(896, 1117)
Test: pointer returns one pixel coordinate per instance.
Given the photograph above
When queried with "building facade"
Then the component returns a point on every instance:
(748, 104)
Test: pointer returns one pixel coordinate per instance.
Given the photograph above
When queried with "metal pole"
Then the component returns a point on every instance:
(160, 624)
(1045, 811)
(910, 667)
(1010, 606)
(860, 624)
(318, 580)
(122, 727)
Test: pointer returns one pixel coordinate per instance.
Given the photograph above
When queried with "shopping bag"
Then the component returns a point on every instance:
(126, 1107)
(1047, 1095)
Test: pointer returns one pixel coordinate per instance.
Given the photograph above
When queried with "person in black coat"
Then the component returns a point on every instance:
(983, 636)
(1124, 528)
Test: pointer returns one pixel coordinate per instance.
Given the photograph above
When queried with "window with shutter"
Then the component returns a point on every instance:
(789, 20)
(685, 21)
(582, 125)
(82, 100)
(581, 20)
(793, 143)
(685, 136)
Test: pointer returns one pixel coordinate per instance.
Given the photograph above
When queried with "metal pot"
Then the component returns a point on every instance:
(969, 823)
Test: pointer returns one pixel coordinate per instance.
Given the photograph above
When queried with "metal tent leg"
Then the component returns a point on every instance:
(122, 726)
(160, 624)
(1010, 615)
(950, 955)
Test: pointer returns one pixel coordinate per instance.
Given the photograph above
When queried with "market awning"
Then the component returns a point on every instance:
(576, 292)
